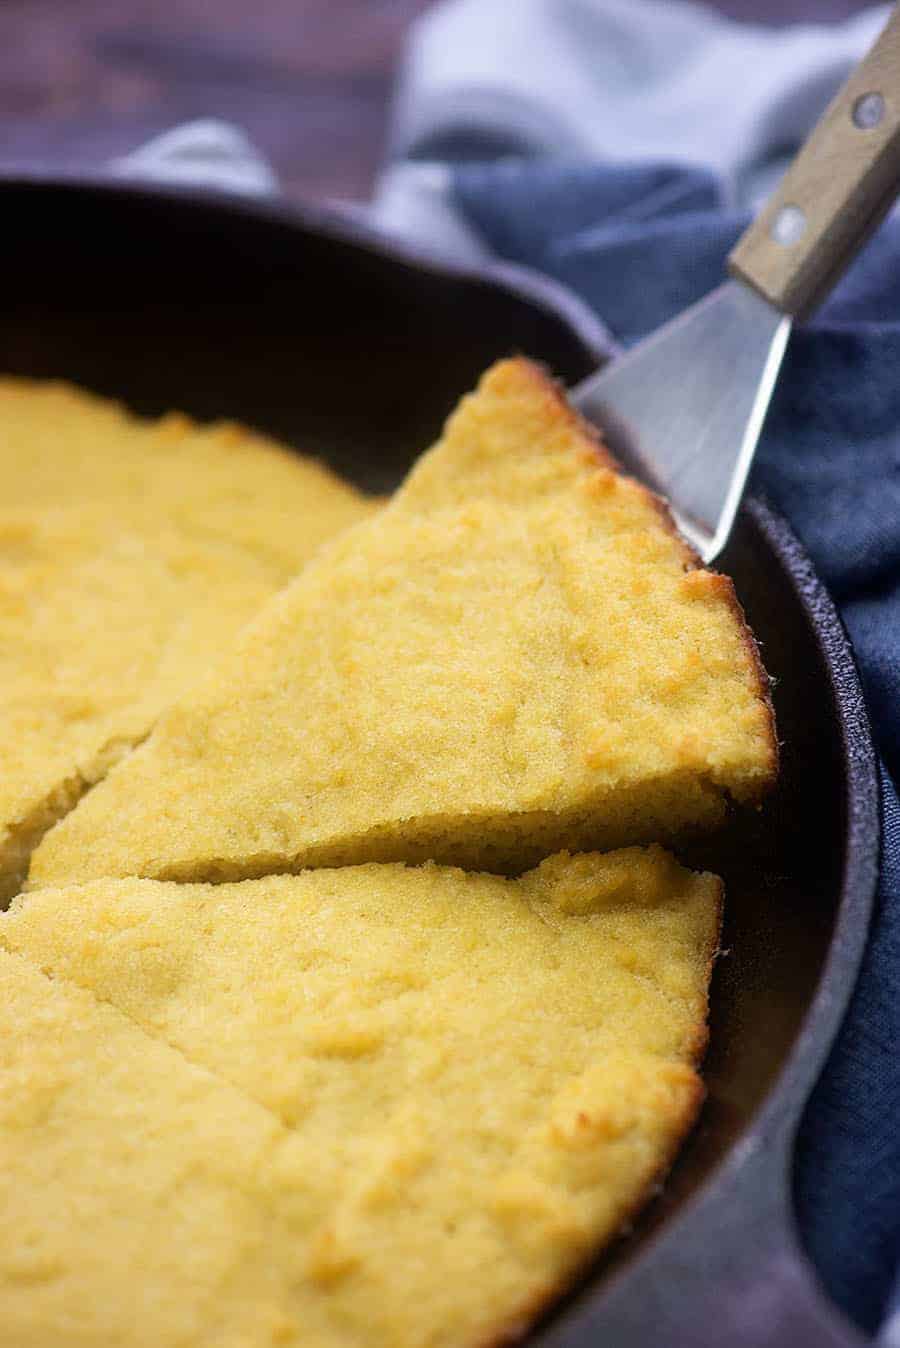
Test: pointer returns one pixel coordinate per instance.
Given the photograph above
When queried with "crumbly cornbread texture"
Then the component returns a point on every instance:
(140, 1200)
(518, 654)
(479, 1080)
(129, 554)
(60, 445)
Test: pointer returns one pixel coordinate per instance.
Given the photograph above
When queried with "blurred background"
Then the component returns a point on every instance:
(309, 80)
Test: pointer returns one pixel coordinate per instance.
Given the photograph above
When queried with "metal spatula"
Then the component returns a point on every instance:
(684, 409)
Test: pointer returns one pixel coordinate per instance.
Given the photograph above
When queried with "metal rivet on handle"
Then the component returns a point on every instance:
(868, 111)
(788, 225)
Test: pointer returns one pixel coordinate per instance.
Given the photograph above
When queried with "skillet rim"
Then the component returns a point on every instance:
(862, 838)
(345, 226)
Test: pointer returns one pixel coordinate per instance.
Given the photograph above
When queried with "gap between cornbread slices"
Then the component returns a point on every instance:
(130, 553)
(519, 654)
(483, 1078)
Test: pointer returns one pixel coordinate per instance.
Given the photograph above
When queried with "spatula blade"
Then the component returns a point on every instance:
(683, 410)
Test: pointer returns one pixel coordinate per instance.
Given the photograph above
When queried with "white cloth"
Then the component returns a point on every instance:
(604, 80)
(207, 153)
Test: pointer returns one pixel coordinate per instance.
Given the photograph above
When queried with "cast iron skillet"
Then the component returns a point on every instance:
(312, 329)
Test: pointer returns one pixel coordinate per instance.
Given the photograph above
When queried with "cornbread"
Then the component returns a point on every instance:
(475, 1082)
(60, 445)
(138, 1195)
(519, 654)
(129, 554)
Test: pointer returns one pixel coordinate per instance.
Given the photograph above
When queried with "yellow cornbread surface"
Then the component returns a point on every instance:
(101, 625)
(60, 445)
(129, 554)
(138, 1195)
(517, 655)
(480, 1079)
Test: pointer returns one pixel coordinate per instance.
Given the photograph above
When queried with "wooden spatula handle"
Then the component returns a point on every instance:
(842, 182)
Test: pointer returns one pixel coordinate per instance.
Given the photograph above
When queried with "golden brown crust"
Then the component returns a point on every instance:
(555, 390)
(522, 1323)
(564, 410)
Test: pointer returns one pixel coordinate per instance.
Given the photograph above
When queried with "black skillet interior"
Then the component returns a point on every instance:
(162, 300)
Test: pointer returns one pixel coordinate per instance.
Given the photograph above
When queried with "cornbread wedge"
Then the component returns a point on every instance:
(518, 655)
(482, 1079)
(129, 554)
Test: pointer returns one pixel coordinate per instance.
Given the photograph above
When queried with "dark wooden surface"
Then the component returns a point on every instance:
(310, 80)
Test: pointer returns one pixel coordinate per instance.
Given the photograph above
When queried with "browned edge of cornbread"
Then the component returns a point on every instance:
(554, 390)
(527, 1315)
